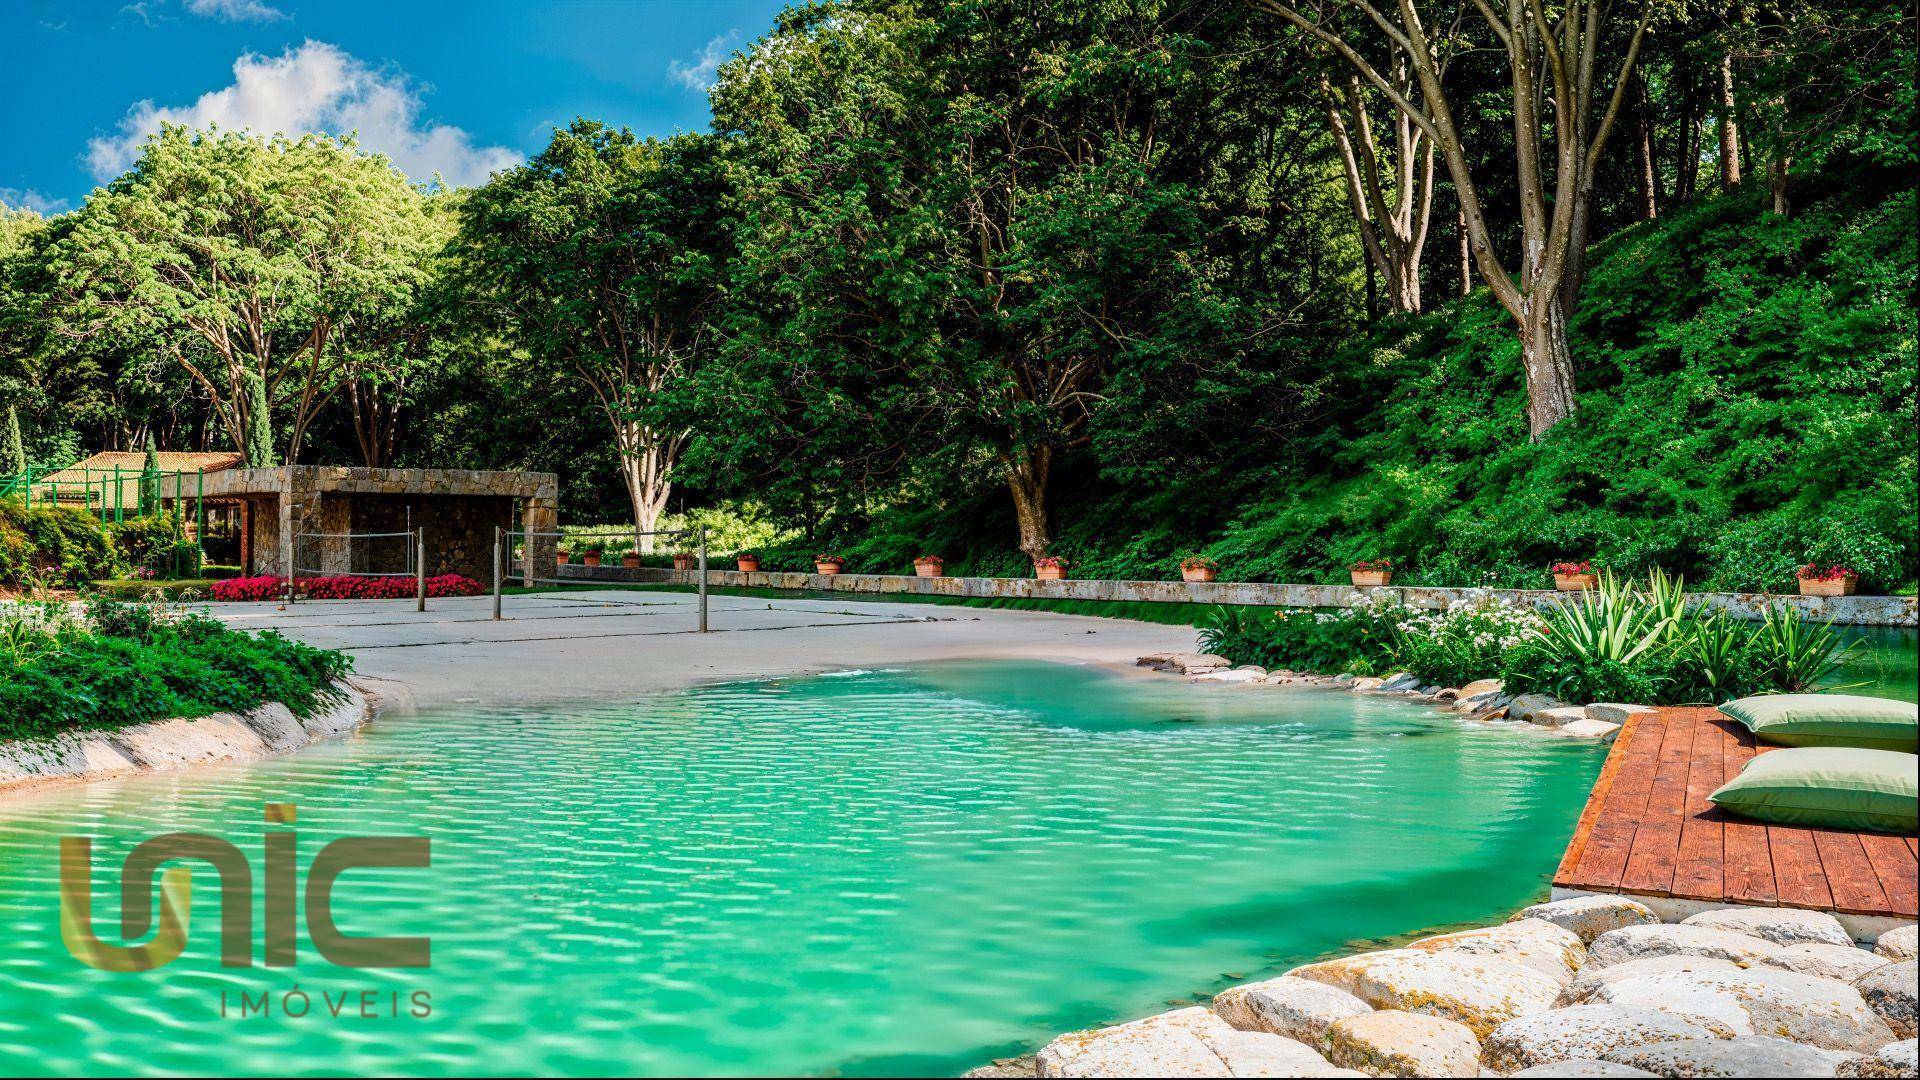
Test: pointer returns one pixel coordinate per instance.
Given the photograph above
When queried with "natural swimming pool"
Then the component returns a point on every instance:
(888, 872)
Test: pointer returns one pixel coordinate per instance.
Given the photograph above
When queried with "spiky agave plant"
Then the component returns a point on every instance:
(1611, 622)
(1798, 655)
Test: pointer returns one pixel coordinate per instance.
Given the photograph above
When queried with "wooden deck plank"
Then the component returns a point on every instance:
(1700, 864)
(1656, 843)
(1649, 829)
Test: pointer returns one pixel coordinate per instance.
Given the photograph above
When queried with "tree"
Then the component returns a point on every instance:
(15, 448)
(238, 254)
(1553, 60)
(602, 256)
(258, 448)
(1391, 191)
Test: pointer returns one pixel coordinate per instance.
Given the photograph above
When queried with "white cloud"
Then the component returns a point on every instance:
(316, 87)
(700, 74)
(29, 199)
(236, 10)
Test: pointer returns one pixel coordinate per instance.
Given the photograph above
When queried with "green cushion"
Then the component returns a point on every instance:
(1830, 786)
(1870, 723)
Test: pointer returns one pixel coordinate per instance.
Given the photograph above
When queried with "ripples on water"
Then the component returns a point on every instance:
(894, 872)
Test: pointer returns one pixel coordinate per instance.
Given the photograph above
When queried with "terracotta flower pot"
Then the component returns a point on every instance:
(1198, 573)
(630, 560)
(929, 568)
(1576, 582)
(828, 569)
(1371, 579)
(1840, 586)
(749, 565)
(1050, 573)
(683, 562)
(563, 558)
(590, 558)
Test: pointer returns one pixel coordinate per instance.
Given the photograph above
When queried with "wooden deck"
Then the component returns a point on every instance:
(1649, 830)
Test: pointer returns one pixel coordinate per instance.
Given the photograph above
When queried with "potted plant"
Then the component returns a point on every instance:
(590, 553)
(1198, 568)
(684, 560)
(1575, 576)
(1369, 573)
(630, 559)
(563, 554)
(1050, 568)
(828, 565)
(929, 566)
(1817, 580)
(749, 562)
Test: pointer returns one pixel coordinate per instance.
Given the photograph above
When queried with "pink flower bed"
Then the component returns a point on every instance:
(342, 587)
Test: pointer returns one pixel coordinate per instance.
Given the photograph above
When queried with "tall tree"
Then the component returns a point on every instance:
(238, 254)
(1390, 187)
(1553, 57)
(602, 255)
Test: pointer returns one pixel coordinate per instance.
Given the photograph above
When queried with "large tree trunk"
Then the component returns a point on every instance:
(1649, 175)
(644, 462)
(1777, 167)
(1027, 479)
(1729, 125)
(1466, 253)
(1549, 365)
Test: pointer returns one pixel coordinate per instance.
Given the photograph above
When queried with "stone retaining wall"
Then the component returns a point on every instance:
(1849, 610)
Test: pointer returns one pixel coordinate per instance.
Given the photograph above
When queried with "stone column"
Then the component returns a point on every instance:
(542, 514)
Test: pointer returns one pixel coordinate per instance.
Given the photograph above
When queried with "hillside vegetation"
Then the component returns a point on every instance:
(1747, 404)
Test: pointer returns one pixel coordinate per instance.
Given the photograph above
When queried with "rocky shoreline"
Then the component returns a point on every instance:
(165, 745)
(1484, 699)
(1586, 986)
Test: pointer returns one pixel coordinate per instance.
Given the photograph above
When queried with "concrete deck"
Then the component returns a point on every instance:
(562, 646)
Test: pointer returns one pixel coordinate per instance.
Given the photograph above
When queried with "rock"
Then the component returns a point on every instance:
(1232, 675)
(1482, 686)
(1899, 943)
(1614, 713)
(1889, 991)
(1446, 693)
(1554, 951)
(1154, 660)
(1761, 1001)
(1637, 942)
(1401, 681)
(1894, 1059)
(1580, 1067)
(1392, 1043)
(1524, 706)
(1782, 926)
(1590, 916)
(1367, 682)
(1345, 678)
(1748, 1055)
(1193, 663)
(1558, 717)
(1430, 690)
(1187, 1042)
(1295, 1008)
(1590, 729)
(1843, 962)
(1584, 1031)
(1255, 668)
(1481, 992)
(1587, 984)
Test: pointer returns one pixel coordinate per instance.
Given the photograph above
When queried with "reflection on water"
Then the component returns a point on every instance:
(1886, 661)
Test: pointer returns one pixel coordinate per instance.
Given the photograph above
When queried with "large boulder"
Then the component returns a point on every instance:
(1639, 942)
(1889, 991)
(1843, 962)
(1762, 1001)
(1188, 663)
(1748, 1055)
(1391, 1043)
(1591, 729)
(1590, 916)
(1536, 943)
(1899, 943)
(1782, 926)
(1524, 706)
(1557, 717)
(1614, 712)
(1584, 1031)
(1187, 1042)
(1586, 985)
(1894, 1059)
(1482, 686)
(1295, 1008)
(1481, 992)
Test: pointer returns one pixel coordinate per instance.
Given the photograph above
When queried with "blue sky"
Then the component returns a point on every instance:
(455, 88)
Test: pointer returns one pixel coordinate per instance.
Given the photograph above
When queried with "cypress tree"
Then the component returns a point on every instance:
(259, 451)
(15, 448)
(150, 478)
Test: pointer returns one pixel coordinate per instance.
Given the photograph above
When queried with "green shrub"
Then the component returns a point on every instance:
(50, 545)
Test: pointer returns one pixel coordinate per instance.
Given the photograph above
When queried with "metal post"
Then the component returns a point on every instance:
(420, 572)
(496, 572)
(703, 579)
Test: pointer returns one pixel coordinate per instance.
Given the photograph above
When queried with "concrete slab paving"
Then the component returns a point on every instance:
(594, 645)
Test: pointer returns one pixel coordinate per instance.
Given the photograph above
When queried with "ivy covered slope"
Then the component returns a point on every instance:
(120, 664)
(1747, 404)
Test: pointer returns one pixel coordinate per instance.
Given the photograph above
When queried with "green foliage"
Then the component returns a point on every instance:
(127, 664)
(50, 546)
(155, 543)
(13, 447)
(259, 444)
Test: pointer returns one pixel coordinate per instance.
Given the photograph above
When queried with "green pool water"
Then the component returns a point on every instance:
(1885, 662)
(890, 872)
